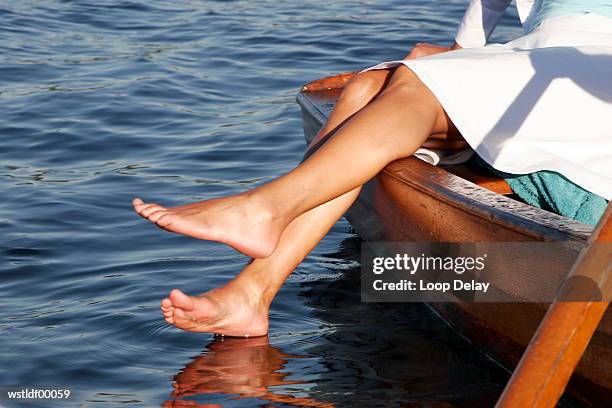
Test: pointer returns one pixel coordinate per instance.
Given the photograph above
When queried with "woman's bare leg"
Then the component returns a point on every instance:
(401, 118)
(241, 307)
(357, 93)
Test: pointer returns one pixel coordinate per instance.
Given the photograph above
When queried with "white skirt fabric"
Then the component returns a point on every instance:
(540, 102)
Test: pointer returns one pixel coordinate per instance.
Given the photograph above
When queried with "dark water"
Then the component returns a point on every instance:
(178, 101)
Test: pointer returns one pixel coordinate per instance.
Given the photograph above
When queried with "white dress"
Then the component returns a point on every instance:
(540, 102)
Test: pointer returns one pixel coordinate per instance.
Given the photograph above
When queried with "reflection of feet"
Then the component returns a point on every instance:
(232, 310)
(241, 369)
(239, 221)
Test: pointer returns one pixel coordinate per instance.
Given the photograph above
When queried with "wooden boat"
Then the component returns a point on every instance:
(411, 200)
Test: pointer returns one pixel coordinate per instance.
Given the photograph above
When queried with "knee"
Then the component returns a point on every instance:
(362, 88)
(404, 78)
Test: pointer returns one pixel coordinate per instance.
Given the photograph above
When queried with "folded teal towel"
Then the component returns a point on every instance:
(553, 192)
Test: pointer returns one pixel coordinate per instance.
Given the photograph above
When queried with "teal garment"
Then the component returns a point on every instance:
(555, 8)
(553, 192)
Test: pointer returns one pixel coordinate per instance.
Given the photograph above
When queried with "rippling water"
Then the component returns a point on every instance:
(178, 101)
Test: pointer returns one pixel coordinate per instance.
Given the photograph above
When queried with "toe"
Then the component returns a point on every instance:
(184, 320)
(137, 208)
(149, 209)
(165, 220)
(153, 217)
(166, 304)
(181, 300)
(190, 313)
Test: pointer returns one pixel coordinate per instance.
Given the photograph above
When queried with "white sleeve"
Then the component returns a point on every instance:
(478, 22)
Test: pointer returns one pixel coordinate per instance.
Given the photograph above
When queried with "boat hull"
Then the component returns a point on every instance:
(412, 201)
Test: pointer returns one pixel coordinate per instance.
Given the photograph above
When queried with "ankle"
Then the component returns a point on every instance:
(268, 210)
(259, 283)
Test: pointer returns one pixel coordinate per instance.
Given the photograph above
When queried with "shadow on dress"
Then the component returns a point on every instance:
(549, 64)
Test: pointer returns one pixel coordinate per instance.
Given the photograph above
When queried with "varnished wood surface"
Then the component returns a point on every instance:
(567, 328)
(411, 200)
(333, 82)
(487, 181)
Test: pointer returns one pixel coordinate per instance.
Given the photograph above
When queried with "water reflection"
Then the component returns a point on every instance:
(241, 368)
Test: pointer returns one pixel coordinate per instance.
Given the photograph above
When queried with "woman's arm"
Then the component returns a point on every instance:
(424, 49)
(478, 22)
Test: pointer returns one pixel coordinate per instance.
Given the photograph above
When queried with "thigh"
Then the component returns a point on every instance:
(445, 133)
(358, 92)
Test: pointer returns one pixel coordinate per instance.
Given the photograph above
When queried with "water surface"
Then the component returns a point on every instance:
(178, 101)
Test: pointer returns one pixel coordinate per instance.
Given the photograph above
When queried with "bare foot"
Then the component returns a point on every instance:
(232, 310)
(238, 221)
